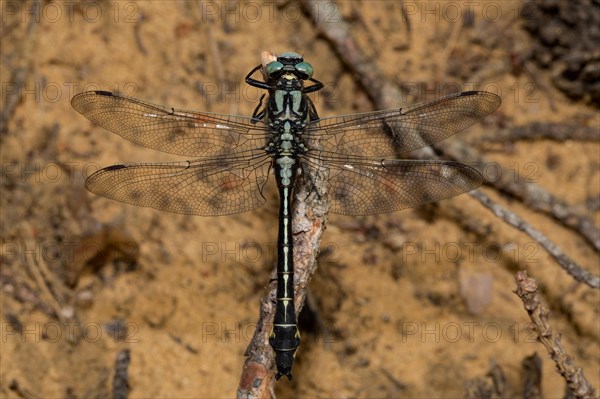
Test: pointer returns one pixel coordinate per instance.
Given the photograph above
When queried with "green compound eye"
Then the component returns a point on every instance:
(305, 70)
(273, 68)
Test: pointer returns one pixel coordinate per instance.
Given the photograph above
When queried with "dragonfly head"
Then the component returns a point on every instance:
(287, 63)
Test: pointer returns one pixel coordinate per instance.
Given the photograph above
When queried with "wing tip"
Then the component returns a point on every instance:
(90, 181)
(474, 175)
(493, 98)
(79, 106)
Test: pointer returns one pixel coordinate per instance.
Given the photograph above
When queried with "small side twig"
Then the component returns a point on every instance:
(18, 78)
(21, 74)
(532, 376)
(22, 392)
(52, 292)
(137, 34)
(456, 29)
(532, 195)
(121, 378)
(578, 272)
(593, 203)
(527, 290)
(493, 385)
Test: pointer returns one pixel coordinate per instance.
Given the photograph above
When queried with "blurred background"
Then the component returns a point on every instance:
(418, 303)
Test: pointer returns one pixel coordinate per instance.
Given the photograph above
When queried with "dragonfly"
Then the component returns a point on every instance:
(231, 157)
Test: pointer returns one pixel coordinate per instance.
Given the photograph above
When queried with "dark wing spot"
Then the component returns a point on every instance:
(164, 202)
(104, 93)
(176, 133)
(135, 195)
(115, 167)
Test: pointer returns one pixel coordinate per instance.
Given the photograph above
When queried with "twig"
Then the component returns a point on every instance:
(308, 224)
(533, 73)
(55, 285)
(498, 378)
(22, 392)
(20, 74)
(213, 47)
(121, 378)
(527, 290)
(578, 273)
(256, 381)
(492, 386)
(593, 203)
(136, 33)
(18, 78)
(402, 386)
(185, 345)
(527, 191)
(44, 284)
(456, 29)
(532, 376)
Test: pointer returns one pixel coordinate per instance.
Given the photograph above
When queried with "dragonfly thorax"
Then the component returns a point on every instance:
(289, 82)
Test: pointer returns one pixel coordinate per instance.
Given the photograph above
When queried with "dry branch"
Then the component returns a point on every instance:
(532, 376)
(578, 272)
(532, 195)
(527, 290)
(121, 377)
(20, 74)
(308, 224)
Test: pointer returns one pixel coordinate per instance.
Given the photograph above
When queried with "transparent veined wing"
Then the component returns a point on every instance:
(392, 132)
(189, 133)
(364, 187)
(207, 186)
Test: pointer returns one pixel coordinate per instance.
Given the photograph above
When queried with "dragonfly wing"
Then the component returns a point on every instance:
(207, 187)
(392, 132)
(362, 187)
(189, 133)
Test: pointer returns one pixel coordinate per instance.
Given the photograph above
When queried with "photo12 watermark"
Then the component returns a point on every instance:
(252, 252)
(244, 332)
(453, 252)
(52, 12)
(465, 331)
(67, 253)
(518, 92)
(68, 331)
(54, 92)
(252, 12)
(47, 172)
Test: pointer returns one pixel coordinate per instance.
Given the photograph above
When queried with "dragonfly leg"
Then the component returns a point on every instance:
(317, 86)
(259, 115)
(257, 83)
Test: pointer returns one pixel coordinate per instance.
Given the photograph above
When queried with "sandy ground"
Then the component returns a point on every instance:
(412, 304)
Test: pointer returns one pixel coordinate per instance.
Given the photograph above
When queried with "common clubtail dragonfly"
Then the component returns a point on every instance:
(355, 155)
